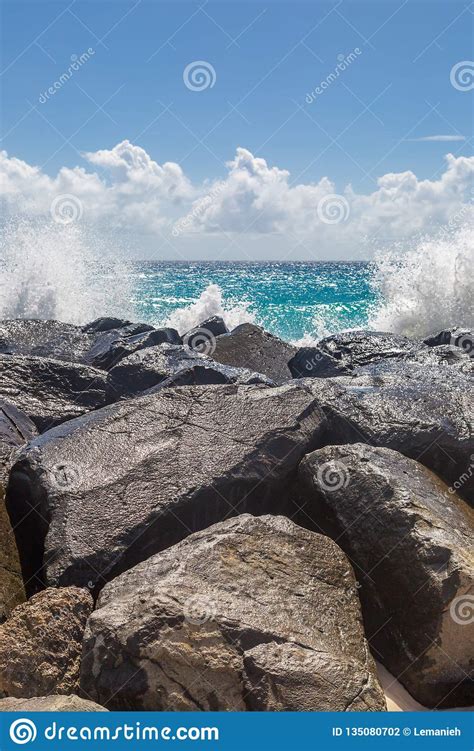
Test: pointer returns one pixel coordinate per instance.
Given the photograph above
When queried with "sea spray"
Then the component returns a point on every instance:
(210, 303)
(54, 271)
(428, 288)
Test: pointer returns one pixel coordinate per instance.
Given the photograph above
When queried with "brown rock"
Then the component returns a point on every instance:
(57, 703)
(12, 591)
(40, 644)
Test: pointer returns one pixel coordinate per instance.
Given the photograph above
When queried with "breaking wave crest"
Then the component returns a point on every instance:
(59, 272)
(210, 303)
(428, 288)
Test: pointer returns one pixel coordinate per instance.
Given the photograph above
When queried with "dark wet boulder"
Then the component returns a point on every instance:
(53, 703)
(251, 613)
(111, 346)
(61, 341)
(410, 541)
(446, 355)
(457, 337)
(249, 346)
(170, 364)
(40, 644)
(200, 338)
(126, 481)
(100, 325)
(16, 429)
(354, 348)
(313, 362)
(425, 412)
(50, 391)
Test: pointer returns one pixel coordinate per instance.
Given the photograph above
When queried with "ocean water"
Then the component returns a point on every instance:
(70, 274)
(296, 301)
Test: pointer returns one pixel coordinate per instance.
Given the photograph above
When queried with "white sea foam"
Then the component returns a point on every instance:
(52, 271)
(427, 288)
(210, 303)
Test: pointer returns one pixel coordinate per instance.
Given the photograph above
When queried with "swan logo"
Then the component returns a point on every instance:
(23, 731)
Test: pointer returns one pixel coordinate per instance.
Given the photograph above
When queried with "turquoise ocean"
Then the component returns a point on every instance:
(296, 301)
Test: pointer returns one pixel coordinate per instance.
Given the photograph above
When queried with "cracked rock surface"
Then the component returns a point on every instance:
(251, 613)
(140, 475)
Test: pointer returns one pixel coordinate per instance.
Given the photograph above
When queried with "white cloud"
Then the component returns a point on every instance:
(438, 138)
(256, 207)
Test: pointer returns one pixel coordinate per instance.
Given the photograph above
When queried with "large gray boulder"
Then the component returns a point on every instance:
(425, 412)
(54, 703)
(177, 365)
(252, 613)
(410, 541)
(61, 341)
(249, 346)
(50, 391)
(112, 346)
(126, 481)
(40, 644)
(353, 348)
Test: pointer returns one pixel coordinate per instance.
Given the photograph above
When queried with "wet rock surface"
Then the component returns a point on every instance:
(248, 346)
(177, 365)
(123, 482)
(112, 346)
(60, 341)
(410, 541)
(353, 348)
(227, 608)
(425, 412)
(50, 391)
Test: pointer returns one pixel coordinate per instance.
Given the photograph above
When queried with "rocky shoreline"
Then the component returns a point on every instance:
(224, 521)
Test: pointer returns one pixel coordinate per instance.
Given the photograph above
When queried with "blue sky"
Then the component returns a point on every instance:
(267, 58)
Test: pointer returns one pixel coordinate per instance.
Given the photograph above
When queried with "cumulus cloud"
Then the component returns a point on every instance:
(255, 203)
